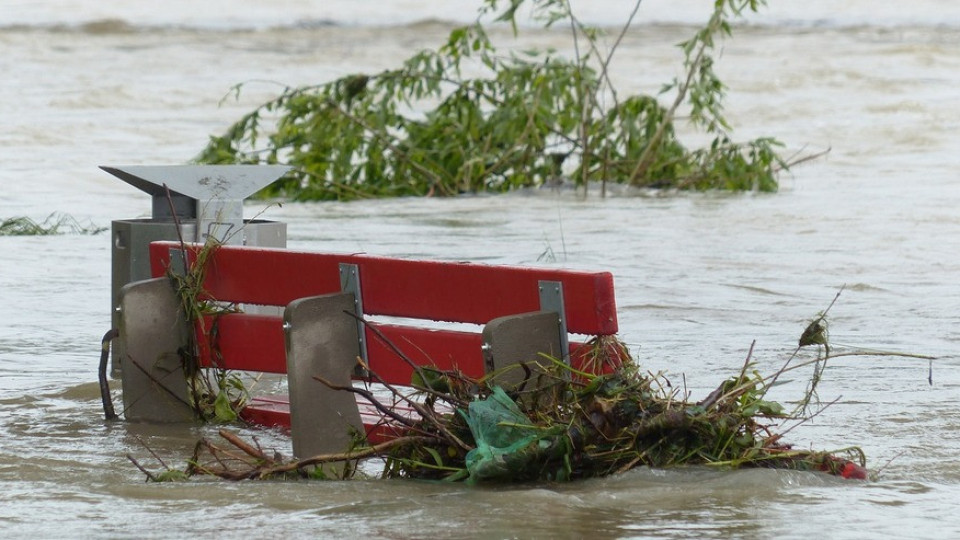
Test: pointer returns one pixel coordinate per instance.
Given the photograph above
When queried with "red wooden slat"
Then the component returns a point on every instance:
(274, 412)
(443, 291)
(268, 412)
(256, 343)
(245, 342)
(443, 349)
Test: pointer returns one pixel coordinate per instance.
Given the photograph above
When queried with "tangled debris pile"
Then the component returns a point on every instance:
(567, 425)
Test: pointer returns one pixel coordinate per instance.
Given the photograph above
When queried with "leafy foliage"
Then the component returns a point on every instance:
(527, 119)
(216, 393)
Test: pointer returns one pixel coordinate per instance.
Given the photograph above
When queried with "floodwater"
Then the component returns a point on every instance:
(699, 276)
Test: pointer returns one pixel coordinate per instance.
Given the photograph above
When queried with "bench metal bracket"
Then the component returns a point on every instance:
(350, 283)
(551, 299)
(177, 264)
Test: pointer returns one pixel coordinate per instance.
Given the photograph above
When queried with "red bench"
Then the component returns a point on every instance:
(525, 311)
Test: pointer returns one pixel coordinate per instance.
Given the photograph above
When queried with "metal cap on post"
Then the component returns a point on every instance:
(211, 195)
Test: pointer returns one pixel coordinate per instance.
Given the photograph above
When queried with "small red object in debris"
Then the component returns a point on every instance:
(853, 471)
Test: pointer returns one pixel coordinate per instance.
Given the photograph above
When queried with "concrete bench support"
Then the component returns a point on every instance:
(515, 340)
(154, 333)
(321, 340)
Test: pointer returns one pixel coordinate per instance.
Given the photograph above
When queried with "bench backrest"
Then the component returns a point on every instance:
(429, 290)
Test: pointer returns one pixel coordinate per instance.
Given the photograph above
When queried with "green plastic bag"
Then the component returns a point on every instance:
(506, 439)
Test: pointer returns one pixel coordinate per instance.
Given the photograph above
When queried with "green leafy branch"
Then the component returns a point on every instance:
(521, 119)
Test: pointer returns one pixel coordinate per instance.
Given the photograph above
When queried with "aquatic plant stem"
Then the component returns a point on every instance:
(649, 152)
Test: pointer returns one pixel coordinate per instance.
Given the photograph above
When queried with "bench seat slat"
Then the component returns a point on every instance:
(274, 412)
(256, 343)
(442, 291)
(245, 342)
(443, 349)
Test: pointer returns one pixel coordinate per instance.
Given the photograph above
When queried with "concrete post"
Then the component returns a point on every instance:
(154, 331)
(322, 340)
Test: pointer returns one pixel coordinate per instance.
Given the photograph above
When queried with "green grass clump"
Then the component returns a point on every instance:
(54, 224)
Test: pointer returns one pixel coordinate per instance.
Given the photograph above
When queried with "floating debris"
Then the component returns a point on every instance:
(570, 425)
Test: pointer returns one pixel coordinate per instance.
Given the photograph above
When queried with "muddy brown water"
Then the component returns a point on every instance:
(699, 277)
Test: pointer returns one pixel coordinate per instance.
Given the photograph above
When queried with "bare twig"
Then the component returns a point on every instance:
(720, 394)
(156, 381)
(424, 412)
(235, 440)
(793, 160)
(370, 397)
(150, 476)
(152, 453)
(805, 419)
(376, 450)
(646, 158)
(417, 368)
